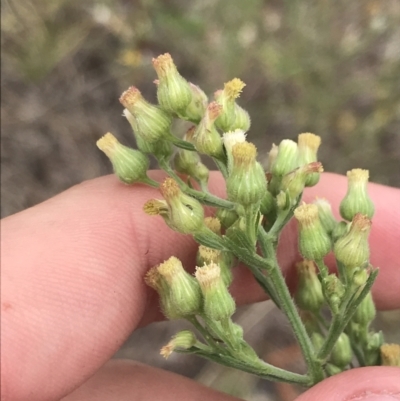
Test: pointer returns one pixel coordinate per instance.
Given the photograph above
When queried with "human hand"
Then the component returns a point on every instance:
(73, 291)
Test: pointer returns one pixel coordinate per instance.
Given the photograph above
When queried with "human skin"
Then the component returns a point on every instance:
(72, 292)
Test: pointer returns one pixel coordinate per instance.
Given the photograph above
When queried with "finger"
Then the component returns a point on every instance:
(73, 279)
(363, 384)
(122, 380)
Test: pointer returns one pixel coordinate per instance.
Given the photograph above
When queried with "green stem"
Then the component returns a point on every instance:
(149, 181)
(341, 319)
(289, 308)
(259, 368)
(205, 198)
(221, 167)
(207, 336)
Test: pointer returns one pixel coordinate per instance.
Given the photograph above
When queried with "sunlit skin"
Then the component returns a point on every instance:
(73, 291)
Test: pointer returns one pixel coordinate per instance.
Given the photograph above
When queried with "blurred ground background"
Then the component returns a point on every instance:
(326, 66)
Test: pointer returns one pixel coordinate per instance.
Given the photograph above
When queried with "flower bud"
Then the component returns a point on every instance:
(365, 312)
(326, 217)
(286, 159)
(308, 294)
(314, 242)
(230, 139)
(189, 163)
(181, 212)
(226, 98)
(129, 165)
(152, 123)
(154, 280)
(243, 120)
(342, 353)
(317, 340)
(185, 294)
(268, 203)
(246, 183)
(183, 340)
(197, 107)
(206, 138)
(390, 354)
(333, 290)
(227, 217)
(272, 155)
(173, 91)
(357, 199)
(340, 230)
(308, 145)
(352, 248)
(218, 302)
(295, 181)
(160, 149)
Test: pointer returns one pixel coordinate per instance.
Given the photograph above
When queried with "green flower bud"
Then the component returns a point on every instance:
(352, 248)
(226, 98)
(372, 351)
(308, 145)
(242, 120)
(308, 294)
(183, 340)
(218, 302)
(156, 281)
(317, 340)
(185, 294)
(181, 212)
(160, 149)
(326, 217)
(390, 354)
(294, 182)
(332, 369)
(333, 290)
(340, 230)
(286, 159)
(188, 162)
(246, 183)
(223, 259)
(342, 353)
(357, 199)
(310, 322)
(152, 123)
(227, 217)
(272, 155)
(268, 203)
(230, 139)
(206, 138)
(129, 165)
(314, 242)
(365, 312)
(197, 107)
(173, 91)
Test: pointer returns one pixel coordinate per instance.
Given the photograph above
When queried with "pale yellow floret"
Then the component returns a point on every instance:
(170, 188)
(170, 268)
(306, 214)
(309, 140)
(107, 144)
(213, 224)
(163, 64)
(130, 96)
(390, 354)
(233, 88)
(358, 175)
(208, 275)
(244, 152)
(208, 254)
(154, 207)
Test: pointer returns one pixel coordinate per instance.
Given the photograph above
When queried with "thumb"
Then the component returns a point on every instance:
(369, 384)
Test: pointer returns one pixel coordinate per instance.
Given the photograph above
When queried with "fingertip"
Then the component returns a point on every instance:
(369, 384)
